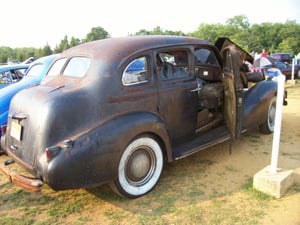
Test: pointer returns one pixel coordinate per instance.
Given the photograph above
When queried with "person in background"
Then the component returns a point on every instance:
(263, 53)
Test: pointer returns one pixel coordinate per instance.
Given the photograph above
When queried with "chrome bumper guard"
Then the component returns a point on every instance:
(27, 183)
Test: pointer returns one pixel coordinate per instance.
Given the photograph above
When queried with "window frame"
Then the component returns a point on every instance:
(146, 70)
(188, 70)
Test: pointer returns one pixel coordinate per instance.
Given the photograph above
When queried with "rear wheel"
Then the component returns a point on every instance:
(268, 126)
(139, 169)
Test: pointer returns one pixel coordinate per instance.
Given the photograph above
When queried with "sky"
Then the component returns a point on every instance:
(36, 23)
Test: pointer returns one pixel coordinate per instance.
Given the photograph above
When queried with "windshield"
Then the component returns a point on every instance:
(35, 70)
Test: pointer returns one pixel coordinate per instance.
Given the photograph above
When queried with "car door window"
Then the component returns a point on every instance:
(205, 56)
(227, 62)
(136, 72)
(206, 64)
(173, 64)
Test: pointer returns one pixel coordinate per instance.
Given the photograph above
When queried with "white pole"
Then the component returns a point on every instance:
(293, 69)
(277, 126)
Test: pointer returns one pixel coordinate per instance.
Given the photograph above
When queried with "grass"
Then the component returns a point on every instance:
(255, 193)
(167, 204)
(297, 187)
(201, 189)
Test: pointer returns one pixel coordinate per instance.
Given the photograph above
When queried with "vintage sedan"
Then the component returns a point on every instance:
(102, 120)
(34, 75)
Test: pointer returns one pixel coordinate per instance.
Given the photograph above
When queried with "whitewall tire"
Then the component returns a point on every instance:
(139, 168)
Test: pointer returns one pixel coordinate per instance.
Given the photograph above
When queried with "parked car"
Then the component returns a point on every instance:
(13, 73)
(286, 69)
(34, 75)
(284, 57)
(265, 63)
(99, 122)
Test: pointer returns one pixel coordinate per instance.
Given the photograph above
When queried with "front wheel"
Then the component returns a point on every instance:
(139, 168)
(268, 126)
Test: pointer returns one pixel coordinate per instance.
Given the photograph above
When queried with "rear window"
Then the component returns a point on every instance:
(77, 67)
(56, 67)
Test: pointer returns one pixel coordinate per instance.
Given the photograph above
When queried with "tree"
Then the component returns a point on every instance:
(63, 45)
(96, 33)
(239, 22)
(209, 32)
(290, 44)
(159, 31)
(74, 41)
(6, 54)
(143, 32)
(24, 53)
(274, 37)
(46, 50)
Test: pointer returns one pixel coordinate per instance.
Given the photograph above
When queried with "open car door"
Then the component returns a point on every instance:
(233, 57)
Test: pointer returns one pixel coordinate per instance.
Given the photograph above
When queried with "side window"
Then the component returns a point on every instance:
(206, 66)
(77, 67)
(227, 62)
(136, 72)
(35, 70)
(205, 56)
(56, 67)
(173, 64)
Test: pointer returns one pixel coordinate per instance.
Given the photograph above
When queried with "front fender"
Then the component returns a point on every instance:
(256, 102)
(93, 157)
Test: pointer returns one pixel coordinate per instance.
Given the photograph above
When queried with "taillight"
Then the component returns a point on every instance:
(52, 151)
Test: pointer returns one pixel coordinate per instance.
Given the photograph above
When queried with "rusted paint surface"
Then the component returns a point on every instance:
(75, 129)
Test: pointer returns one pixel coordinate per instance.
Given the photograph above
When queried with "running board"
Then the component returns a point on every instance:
(203, 141)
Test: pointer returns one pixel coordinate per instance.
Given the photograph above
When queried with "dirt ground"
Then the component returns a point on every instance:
(287, 209)
(205, 188)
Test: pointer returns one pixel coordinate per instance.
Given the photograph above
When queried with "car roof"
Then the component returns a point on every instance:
(13, 66)
(44, 59)
(124, 46)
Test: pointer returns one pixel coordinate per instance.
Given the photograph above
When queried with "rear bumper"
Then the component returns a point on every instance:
(27, 183)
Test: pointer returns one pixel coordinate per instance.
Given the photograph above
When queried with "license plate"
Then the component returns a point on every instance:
(16, 130)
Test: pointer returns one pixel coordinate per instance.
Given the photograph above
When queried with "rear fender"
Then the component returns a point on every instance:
(257, 100)
(93, 157)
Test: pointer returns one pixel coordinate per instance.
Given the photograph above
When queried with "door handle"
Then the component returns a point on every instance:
(196, 89)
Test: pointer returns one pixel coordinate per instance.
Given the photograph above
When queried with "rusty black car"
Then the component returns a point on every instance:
(118, 109)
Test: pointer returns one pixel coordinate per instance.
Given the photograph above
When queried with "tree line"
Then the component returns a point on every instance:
(273, 37)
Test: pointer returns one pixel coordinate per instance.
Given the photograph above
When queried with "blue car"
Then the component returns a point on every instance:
(34, 75)
(13, 73)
